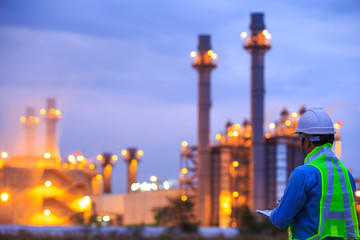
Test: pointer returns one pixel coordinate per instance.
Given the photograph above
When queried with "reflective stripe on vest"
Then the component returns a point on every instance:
(343, 222)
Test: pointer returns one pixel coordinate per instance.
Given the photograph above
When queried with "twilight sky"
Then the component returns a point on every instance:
(121, 72)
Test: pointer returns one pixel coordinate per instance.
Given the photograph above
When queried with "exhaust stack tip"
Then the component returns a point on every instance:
(204, 43)
(257, 22)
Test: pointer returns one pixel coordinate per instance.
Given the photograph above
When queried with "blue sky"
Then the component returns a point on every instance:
(121, 72)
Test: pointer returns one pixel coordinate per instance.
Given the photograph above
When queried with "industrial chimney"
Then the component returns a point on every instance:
(257, 44)
(131, 156)
(107, 169)
(30, 123)
(51, 115)
(204, 62)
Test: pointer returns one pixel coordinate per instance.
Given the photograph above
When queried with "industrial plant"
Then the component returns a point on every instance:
(247, 165)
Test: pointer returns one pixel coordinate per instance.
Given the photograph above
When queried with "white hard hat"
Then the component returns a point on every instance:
(315, 122)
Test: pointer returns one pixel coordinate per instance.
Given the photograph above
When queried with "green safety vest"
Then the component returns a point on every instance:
(337, 216)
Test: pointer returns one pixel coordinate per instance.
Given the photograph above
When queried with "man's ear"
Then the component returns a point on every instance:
(307, 142)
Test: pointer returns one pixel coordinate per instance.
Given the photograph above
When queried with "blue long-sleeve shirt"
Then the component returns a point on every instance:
(300, 203)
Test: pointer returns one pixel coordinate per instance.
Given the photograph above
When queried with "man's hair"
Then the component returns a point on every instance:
(328, 138)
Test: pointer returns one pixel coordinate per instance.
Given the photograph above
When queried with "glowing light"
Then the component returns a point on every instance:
(268, 135)
(98, 176)
(135, 186)
(48, 184)
(357, 193)
(183, 198)
(268, 36)
(140, 152)
(42, 111)
(294, 114)
(4, 197)
(72, 167)
(4, 154)
(338, 143)
(47, 155)
(106, 218)
(214, 56)
(336, 125)
(37, 120)
(114, 158)
(65, 165)
(233, 224)
(91, 166)
(237, 126)
(230, 134)
(80, 158)
(210, 52)
(47, 212)
(235, 134)
(287, 122)
(184, 143)
(99, 157)
(166, 185)
(184, 170)
(218, 136)
(22, 119)
(57, 112)
(71, 158)
(265, 32)
(272, 125)
(52, 110)
(235, 194)
(123, 152)
(153, 178)
(247, 134)
(193, 54)
(243, 35)
(235, 163)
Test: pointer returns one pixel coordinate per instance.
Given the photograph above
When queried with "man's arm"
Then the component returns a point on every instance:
(292, 201)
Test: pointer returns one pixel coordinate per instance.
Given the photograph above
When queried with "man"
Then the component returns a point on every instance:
(318, 202)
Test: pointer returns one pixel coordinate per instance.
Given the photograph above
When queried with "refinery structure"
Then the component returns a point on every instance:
(247, 165)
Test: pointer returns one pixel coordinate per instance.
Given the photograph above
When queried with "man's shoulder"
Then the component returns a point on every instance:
(306, 170)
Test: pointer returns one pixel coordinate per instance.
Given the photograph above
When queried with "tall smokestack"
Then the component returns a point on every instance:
(204, 63)
(257, 44)
(30, 123)
(107, 169)
(132, 156)
(52, 115)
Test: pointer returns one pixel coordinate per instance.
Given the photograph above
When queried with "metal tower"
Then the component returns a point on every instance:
(30, 123)
(131, 156)
(257, 44)
(204, 63)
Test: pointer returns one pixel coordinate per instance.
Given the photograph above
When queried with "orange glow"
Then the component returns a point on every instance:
(268, 135)
(57, 112)
(153, 178)
(336, 125)
(225, 204)
(287, 122)
(140, 152)
(65, 165)
(123, 152)
(237, 126)
(72, 167)
(233, 224)
(210, 52)
(48, 184)
(1, 164)
(114, 158)
(4, 197)
(52, 110)
(193, 54)
(247, 134)
(235, 194)
(338, 143)
(241, 200)
(235, 163)
(218, 136)
(133, 162)
(91, 166)
(37, 120)
(4, 154)
(184, 143)
(42, 111)
(272, 125)
(22, 119)
(235, 134)
(80, 158)
(47, 212)
(81, 204)
(98, 176)
(357, 193)
(31, 118)
(47, 155)
(184, 170)
(294, 114)
(183, 198)
(243, 35)
(230, 134)
(41, 218)
(71, 158)
(80, 166)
